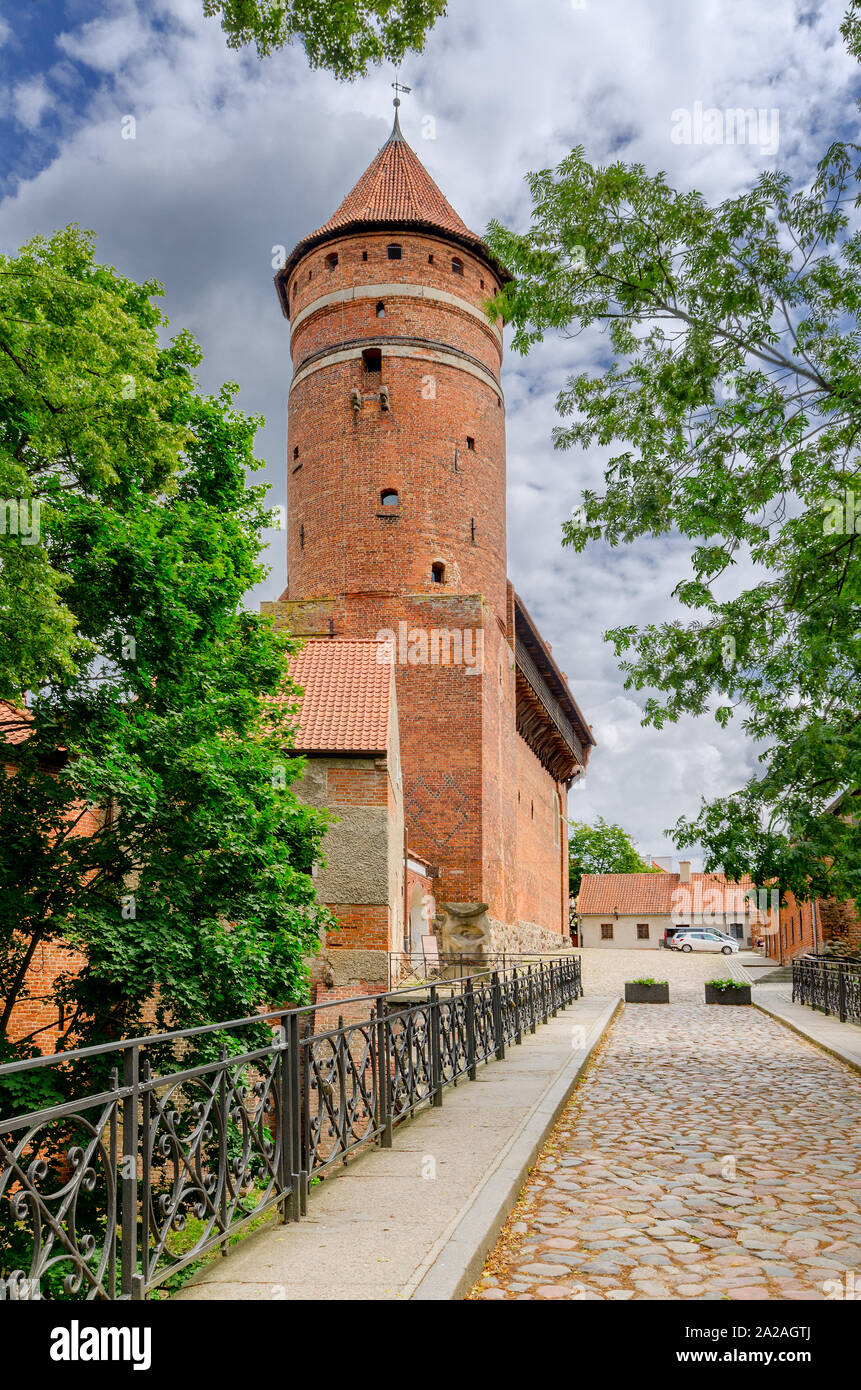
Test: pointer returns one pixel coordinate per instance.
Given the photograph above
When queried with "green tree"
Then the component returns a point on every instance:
(152, 719)
(346, 37)
(731, 406)
(601, 849)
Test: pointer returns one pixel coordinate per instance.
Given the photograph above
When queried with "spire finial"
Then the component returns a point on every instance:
(397, 133)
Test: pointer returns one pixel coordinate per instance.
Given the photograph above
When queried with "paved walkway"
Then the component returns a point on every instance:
(417, 1220)
(707, 1153)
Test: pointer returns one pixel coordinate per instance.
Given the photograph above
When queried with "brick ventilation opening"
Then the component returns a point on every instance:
(394, 253)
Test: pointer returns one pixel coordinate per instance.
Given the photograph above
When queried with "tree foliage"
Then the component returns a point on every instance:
(601, 849)
(731, 405)
(146, 815)
(344, 36)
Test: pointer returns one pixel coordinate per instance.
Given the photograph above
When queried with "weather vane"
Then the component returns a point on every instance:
(399, 87)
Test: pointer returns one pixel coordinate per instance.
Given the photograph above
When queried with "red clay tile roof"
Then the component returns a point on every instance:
(396, 191)
(396, 187)
(347, 696)
(14, 723)
(661, 893)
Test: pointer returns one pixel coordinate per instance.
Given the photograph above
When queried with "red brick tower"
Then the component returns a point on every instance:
(396, 525)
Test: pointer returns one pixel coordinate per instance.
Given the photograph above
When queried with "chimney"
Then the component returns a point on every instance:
(684, 871)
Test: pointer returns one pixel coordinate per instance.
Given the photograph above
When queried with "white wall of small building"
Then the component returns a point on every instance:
(625, 929)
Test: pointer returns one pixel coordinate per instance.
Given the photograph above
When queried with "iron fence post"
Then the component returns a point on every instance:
(130, 1284)
(469, 1008)
(222, 1144)
(530, 995)
(841, 993)
(384, 1108)
(518, 1036)
(543, 988)
(305, 1045)
(294, 1110)
(496, 1014)
(436, 1048)
(282, 1076)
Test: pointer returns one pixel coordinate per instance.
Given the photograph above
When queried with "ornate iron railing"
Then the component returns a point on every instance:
(833, 986)
(406, 966)
(181, 1139)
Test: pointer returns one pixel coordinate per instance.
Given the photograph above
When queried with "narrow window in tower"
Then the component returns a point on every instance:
(381, 310)
(456, 266)
(430, 260)
(472, 530)
(389, 498)
(481, 284)
(437, 573)
(296, 452)
(310, 273)
(470, 442)
(372, 361)
(332, 260)
(394, 253)
(302, 536)
(295, 287)
(364, 255)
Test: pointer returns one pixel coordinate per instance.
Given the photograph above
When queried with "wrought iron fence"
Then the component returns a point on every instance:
(833, 986)
(405, 966)
(182, 1139)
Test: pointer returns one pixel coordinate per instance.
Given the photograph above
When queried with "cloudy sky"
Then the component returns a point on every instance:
(234, 156)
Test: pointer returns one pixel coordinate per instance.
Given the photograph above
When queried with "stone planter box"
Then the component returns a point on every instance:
(740, 994)
(647, 994)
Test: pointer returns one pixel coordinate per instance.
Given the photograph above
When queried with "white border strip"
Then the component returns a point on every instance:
(405, 291)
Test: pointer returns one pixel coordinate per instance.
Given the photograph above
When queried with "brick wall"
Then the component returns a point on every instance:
(838, 922)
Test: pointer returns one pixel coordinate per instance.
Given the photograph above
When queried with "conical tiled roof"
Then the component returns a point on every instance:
(395, 191)
(396, 187)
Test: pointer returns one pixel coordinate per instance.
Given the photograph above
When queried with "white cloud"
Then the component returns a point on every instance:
(234, 156)
(30, 100)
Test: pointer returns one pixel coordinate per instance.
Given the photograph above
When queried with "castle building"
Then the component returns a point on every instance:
(396, 535)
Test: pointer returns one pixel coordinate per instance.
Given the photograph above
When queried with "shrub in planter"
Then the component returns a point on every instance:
(727, 992)
(647, 991)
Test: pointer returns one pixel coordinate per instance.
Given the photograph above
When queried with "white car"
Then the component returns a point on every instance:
(704, 939)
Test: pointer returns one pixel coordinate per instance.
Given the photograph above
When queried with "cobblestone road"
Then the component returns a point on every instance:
(708, 1153)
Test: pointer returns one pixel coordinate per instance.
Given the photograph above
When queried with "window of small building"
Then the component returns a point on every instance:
(606, 931)
(332, 260)
(372, 360)
(389, 498)
(642, 931)
(437, 572)
(456, 265)
(394, 253)
(736, 929)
